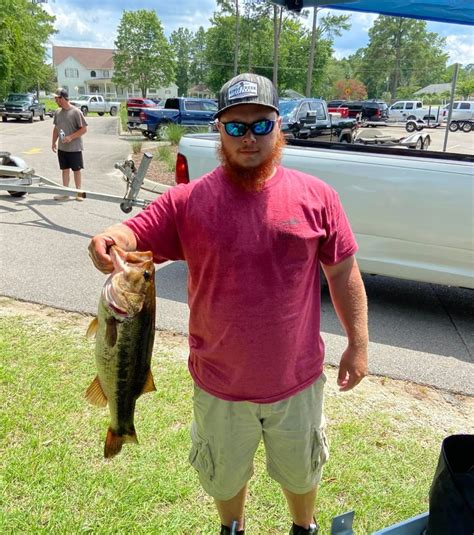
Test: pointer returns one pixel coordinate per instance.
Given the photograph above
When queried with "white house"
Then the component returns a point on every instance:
(83, 71)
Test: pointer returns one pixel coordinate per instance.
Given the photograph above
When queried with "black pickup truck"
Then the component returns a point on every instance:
(22, 106)
(309, 118)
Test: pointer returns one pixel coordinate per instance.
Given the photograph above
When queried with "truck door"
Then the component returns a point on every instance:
(396, 111)
(93, 104)
(200, 112)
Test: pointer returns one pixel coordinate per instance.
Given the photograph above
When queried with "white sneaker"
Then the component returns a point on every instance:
(61, 197)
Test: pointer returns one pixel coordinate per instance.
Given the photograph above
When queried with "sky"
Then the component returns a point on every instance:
(94, 23)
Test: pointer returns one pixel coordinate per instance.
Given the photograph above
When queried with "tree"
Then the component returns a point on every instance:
(198, 68)
(350, 90)
(24, 32)
(143, 55)
(401, 52)
(181, 42)
(331, 25)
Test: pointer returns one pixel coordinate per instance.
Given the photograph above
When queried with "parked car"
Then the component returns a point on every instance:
(336, 103)
(305, 118)
(134, 106)
(368, 110)
(21, 106)
(177, 110)
(95, 103)
(463, 110)
(413, 110)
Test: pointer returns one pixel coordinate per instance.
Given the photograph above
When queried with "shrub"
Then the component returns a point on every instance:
(166, 155)
(137, 147)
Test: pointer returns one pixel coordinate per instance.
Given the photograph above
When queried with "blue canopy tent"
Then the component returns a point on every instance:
(452, 11)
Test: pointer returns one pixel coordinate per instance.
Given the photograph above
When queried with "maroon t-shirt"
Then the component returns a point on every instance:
(254, 277)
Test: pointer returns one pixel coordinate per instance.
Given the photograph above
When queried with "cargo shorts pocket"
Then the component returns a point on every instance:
(319, 450)
(200, 458)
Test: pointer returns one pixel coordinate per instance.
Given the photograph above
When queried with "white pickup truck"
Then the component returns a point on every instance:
(413, 110)
(95, 103)
(412, 211)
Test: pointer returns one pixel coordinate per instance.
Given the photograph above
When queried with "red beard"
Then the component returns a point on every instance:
(254, 178)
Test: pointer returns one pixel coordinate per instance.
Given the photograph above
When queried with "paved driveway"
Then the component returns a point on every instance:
(419, 332)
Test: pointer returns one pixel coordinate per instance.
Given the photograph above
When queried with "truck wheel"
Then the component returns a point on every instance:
(113, 111)
(30, 118)
(410, 126)
(466, 127)
(42, 117)
(4, 119)
(84, 110)
(453, 126)
(100, 113)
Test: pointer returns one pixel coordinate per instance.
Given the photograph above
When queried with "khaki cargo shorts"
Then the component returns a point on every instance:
(226, 434)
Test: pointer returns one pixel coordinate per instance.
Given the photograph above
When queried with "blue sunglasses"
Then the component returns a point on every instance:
(259, 128)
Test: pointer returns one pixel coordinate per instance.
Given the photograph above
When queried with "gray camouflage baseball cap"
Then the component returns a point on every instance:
(247, 88)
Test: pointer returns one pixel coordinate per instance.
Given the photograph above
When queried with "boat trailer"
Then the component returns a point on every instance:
(19, 179)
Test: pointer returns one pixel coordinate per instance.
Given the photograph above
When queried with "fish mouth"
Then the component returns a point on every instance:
(112, 300)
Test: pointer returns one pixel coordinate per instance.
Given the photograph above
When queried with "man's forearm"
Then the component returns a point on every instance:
(350, 302)
(78, 133)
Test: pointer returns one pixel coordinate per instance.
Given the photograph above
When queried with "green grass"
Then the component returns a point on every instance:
(54, 479)
(137, 147)
(166, 155)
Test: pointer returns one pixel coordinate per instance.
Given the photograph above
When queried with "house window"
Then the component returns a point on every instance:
(93, 75)
(71, 73)
(167, 92)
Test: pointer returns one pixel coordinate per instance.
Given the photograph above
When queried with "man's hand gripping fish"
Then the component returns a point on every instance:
(124, 331)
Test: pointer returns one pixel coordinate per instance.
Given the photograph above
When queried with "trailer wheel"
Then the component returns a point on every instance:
(419, 144)
(7, 161)
(125, 208)
(410, 126)
(100, 113)
(426, 143)
(17, 193)
(453, 126)
(467, 127)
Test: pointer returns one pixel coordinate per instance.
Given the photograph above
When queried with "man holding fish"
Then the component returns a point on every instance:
(255, 235)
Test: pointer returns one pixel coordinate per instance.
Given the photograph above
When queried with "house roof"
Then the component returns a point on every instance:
(90, 58)
(433, 88)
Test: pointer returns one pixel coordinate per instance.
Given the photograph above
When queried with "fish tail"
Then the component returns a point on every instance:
(115, 441)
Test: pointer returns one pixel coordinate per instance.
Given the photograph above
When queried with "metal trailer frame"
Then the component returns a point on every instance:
(17, 178)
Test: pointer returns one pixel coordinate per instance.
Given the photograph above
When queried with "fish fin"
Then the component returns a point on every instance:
(114, 442)
(95, 394)
(111, 332)
(92, 329)
(149, 385)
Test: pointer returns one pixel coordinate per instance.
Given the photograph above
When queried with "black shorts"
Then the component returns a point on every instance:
(70, 160)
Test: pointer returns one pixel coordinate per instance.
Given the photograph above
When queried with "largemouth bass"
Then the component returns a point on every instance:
(124, 331)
